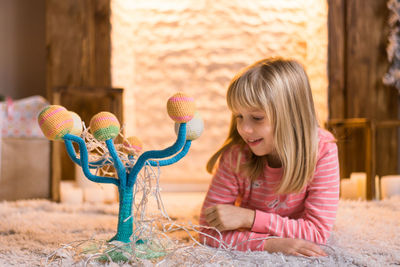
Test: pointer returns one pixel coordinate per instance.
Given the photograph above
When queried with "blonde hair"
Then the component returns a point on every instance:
(281, 88)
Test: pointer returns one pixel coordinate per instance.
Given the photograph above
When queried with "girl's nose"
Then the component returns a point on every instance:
(247, 128)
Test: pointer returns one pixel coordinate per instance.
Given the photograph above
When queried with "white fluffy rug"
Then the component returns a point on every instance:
(365, 234)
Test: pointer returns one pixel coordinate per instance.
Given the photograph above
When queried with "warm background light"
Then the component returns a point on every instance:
(196, 46)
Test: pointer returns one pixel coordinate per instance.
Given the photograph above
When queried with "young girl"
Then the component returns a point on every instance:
(276, 187)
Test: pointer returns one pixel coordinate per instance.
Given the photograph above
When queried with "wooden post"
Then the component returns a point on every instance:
(370, 160)
(78, 45)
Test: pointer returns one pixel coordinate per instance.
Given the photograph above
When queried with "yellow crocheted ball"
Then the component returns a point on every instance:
(55, 122)
(194, 127)
(77, 125)
(104, 125)
(133, 145)
(181, 107)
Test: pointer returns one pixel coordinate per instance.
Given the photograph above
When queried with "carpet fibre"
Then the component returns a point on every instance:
(365, 234)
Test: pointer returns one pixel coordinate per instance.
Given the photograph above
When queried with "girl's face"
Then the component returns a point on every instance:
(256, 130)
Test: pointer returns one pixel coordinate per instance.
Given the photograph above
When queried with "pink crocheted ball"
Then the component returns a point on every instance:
(55, 122)
(181, 107)
(133, 145)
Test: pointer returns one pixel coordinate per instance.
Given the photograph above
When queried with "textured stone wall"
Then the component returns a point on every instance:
(196, 46)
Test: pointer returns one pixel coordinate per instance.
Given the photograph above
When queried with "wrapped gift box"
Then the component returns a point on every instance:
(25, 152)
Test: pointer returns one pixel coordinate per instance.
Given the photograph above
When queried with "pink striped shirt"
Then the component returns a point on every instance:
(308, 215)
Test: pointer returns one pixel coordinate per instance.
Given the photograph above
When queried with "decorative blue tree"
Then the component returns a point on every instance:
(59, 124)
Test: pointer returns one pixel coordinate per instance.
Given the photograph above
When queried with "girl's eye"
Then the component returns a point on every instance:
(238, 116)
(258, 118)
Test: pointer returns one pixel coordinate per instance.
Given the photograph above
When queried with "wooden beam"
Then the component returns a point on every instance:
(336, 58)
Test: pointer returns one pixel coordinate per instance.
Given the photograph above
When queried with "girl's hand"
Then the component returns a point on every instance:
(229, 217)
(295, 247)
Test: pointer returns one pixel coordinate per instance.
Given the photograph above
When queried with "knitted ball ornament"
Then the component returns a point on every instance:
(55, 121)
(77, 125)
(104, 125)
(133, 145)
(194, 127)
(181, 107)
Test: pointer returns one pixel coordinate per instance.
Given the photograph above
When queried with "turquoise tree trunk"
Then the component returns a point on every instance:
(125, 216)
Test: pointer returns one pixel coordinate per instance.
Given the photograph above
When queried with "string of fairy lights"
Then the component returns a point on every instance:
(160, 246)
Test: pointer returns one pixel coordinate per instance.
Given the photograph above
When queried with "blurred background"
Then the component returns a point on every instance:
(128, 57)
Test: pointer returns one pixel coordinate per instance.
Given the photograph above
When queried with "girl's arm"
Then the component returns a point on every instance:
(320, 206)
(224, 189)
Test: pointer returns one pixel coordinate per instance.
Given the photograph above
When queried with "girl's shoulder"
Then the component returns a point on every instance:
(326, 141)
(325, 136)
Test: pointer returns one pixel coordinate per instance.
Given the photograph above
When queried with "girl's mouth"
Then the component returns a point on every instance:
(254, 142)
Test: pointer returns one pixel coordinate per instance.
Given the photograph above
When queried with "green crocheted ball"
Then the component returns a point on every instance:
(104, 125)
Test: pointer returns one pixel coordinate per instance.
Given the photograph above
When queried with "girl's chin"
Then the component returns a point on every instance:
(258, 153)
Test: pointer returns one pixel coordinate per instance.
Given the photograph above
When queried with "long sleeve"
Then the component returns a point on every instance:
(320, 204)
(224, 189)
